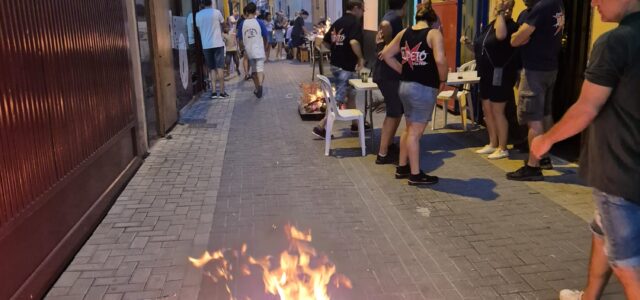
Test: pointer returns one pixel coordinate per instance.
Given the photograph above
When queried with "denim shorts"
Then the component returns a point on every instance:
(214, 58)
(617, 220)
(341, 81)
(418, 101)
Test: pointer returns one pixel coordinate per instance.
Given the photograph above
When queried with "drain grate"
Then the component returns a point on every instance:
(203, 125)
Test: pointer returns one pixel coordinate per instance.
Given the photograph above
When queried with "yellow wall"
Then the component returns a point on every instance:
(598, 27)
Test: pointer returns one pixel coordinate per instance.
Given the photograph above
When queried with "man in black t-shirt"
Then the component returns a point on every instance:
(610, 161)
(344, 38)
(299, 32)
(388, 81)
(540, 42)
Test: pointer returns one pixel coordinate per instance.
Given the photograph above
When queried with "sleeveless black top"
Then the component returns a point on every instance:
(418, 62)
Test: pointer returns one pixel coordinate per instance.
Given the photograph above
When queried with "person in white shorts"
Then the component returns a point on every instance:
(254, 38)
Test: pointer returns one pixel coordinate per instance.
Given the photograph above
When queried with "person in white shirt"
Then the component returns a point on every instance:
(209, 22)
(254, 38)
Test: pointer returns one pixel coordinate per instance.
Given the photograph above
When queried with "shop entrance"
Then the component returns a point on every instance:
(573, 62)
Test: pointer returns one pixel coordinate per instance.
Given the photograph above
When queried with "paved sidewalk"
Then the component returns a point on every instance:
(164, 215)
(475, 235)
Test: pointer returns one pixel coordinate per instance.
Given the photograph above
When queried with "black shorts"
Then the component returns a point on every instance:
(297, 42)
(214, 58)
(497, 94)
(390, 92)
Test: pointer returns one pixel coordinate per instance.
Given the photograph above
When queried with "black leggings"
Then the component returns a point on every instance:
(232, 55)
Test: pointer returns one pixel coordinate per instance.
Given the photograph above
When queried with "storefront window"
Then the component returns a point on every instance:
(186, 56)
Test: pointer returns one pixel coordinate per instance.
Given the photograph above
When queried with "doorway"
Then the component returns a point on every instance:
(148, 72)
(573, 62)
(473, 16)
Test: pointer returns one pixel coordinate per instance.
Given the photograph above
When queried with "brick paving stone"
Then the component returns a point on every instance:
(475, 235)
(153, 222)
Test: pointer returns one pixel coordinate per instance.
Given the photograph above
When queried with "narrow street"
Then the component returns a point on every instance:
(238, 171)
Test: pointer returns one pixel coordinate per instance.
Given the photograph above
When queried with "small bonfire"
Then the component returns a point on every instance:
(299, 273)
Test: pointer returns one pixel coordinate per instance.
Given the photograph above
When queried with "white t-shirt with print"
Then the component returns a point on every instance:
(252, 39)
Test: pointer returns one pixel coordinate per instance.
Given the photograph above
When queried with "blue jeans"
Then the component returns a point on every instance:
(341, 81)
(617, 220)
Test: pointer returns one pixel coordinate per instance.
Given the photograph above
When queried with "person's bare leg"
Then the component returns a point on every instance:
(221, 80)
(389, 129)
(630, 279)
(323, 122)
(256, 80)
(295, 53)
(213, 78)
(245, 65)
(351, 104)
(501, 124)
(599, 270)
(404, 153)
(536, 128)
(416, 130)
(260, 78)
(266, 52)
(491, 126)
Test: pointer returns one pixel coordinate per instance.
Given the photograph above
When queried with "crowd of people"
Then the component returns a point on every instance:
(245, 42)
(510, 54)
(521, 54)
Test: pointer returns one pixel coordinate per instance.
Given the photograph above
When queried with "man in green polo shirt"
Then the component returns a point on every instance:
(609, 106)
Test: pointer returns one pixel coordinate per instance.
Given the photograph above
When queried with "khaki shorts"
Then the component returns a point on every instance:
(256, 65)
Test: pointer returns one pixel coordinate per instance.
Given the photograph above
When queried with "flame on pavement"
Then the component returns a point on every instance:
(299, 275)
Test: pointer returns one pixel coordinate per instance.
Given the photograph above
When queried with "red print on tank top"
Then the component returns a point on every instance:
(413, 57)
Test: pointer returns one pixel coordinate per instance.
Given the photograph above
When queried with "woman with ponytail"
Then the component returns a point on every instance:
(423, 72)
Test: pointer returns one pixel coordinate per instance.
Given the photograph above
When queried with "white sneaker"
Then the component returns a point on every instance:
(571, 295)
(499, 154)
(486, 150)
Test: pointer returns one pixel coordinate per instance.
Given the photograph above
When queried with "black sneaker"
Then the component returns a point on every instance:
(259, 93)
(403, 172)
(354, 127)
(223, 95)
(393, 156)
(545, 163)
(319, 132)
(215, 96)
(526, 173)
(393, 148)
(422, 179)
(389, 159)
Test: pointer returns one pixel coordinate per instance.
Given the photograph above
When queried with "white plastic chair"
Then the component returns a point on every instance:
(336, 114)
(457, 95)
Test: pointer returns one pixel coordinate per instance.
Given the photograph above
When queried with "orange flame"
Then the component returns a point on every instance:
(294, 278)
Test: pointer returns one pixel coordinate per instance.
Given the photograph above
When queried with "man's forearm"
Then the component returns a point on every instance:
(357, 50)
(577, 119)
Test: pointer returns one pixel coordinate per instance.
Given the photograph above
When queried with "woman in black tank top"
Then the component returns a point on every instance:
(422, 72)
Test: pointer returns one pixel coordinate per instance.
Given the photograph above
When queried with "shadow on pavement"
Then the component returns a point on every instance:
(477, 188)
